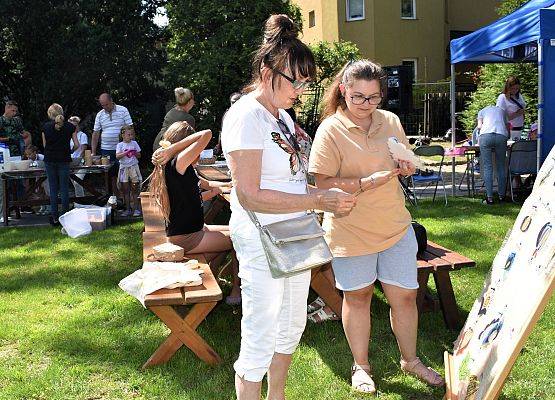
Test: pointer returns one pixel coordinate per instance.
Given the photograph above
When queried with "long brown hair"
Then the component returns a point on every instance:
(352, 71)
(510, 82)
(157, 187)
(281, 48)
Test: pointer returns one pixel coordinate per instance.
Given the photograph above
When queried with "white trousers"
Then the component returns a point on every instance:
(274, 310)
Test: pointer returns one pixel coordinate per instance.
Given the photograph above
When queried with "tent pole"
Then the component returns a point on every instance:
(540, 102)
(453, 136)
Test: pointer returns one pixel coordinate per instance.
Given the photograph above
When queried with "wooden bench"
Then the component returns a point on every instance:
(437, 261)
(164, 302)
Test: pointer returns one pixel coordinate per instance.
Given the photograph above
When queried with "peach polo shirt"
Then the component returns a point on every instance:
(343, 149)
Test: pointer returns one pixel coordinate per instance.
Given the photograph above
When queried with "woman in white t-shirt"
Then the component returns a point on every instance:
(78, 152)
(514, 105)
(494, 128)
(260, 145)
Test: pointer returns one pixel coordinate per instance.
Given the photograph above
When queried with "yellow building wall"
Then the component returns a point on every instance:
(421, 38)
(470, 15)
(326, 26)
(386, 38)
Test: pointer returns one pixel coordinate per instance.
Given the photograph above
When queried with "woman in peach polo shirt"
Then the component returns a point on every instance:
(376, 241)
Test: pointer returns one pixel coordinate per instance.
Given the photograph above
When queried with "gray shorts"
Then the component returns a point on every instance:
(394, 266)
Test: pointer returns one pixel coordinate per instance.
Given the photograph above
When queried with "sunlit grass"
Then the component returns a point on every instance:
(68, 332)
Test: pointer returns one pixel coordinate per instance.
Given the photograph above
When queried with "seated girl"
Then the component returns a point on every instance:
(175, 187)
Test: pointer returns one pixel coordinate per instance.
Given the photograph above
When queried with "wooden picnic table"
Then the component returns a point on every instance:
(214, 172)
(437, 261)
(164, 303)
(39, 176)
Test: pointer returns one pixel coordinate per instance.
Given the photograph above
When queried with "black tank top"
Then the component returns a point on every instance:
(186, 214)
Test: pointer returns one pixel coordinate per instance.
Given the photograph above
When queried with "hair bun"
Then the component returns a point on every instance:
(280, 27)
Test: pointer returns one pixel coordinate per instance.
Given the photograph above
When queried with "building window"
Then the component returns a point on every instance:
(413, 64)
(355, 10)
(408, 9)
(311, 19)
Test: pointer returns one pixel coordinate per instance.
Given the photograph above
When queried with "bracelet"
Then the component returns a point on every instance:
(360, 184)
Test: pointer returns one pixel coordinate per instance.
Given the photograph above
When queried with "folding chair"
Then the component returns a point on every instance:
(430, 175)
(522, 160)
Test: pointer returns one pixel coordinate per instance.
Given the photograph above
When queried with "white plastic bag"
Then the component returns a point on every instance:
(76, 222)
(158, 275)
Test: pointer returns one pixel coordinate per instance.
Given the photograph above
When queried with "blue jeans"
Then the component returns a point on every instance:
(112, 154)
(493, 142)
(58, 180)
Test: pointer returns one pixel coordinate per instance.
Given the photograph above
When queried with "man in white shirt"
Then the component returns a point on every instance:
(107, 126)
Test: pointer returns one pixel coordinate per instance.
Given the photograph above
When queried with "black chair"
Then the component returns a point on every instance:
(522, 161)
(432, 175)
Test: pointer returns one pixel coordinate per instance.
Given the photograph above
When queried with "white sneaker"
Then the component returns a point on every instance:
(137, 213)
(125, 213)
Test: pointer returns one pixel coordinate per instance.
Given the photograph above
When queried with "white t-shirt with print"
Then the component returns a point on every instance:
(128, 161)
(510, 107)
(82, 137)
(250, 126)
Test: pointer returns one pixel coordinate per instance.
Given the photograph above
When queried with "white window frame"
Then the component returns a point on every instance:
(413, 10)
(415, 63)
(357, 18)
(312, 18)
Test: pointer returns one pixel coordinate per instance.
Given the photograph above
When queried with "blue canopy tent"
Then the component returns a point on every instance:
(526, 35)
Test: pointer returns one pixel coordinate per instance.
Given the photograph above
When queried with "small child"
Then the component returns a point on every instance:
(129, 177)
(32, 153)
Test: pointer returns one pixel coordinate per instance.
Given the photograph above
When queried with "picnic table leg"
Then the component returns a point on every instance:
(5, 210)
(423, 276)
(215, 208)
(183, 333)
(326, 290)
(447, 299)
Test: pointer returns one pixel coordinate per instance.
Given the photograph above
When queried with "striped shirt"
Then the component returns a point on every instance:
(110, 125)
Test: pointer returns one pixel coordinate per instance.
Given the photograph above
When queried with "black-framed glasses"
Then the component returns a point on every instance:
(288, 135)
(359, 100)
(297, 85)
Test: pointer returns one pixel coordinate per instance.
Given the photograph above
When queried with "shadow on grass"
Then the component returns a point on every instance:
(329, 340)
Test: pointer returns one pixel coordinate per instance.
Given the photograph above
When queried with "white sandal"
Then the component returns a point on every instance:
(361, 379)
(315, 305)
(321, 315)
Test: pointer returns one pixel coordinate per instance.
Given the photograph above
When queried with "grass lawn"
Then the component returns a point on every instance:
(68, 332)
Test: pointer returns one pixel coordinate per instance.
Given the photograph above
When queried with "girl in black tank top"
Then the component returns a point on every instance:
(176, 188)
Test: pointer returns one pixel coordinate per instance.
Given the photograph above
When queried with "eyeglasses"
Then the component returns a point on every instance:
(359, 100)
(288, 135)
(297, 85)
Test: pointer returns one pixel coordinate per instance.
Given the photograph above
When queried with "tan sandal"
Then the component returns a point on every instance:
(361, 379)
(425, 374)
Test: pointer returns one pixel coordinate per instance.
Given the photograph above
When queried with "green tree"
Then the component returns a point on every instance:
(330, 57)
(211, 48)
(491, 81)
(70, 51)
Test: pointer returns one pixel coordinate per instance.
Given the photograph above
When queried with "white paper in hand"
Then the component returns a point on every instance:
(400, 153)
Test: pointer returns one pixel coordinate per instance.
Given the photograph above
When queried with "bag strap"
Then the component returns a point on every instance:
(515, 101)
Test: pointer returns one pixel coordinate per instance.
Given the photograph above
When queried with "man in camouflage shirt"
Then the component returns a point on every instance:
(11, 129)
